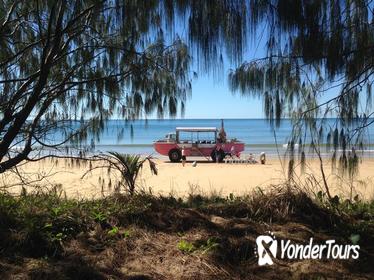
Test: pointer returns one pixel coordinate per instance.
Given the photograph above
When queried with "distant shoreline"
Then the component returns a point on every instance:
(270, 150)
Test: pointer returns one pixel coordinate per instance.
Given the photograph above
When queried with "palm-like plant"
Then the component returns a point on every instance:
(128, 165)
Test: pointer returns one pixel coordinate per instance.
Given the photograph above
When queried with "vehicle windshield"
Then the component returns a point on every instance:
(170, 136)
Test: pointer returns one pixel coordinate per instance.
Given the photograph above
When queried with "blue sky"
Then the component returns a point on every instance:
(211, 98)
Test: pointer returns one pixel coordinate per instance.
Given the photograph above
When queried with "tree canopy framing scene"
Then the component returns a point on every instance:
(186, 139)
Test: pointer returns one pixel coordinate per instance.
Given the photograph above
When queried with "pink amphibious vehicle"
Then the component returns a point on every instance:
(198, 141)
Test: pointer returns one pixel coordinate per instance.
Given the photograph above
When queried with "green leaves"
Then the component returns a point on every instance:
(205, 246)
(355, 238)
(99, 216)
(185, 246)
(95, 60)
(317, 64)
(129, 166)
(114, 231)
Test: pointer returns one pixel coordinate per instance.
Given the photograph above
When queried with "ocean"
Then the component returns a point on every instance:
(137, 137)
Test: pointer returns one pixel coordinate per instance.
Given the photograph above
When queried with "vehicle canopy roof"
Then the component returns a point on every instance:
(197, 129)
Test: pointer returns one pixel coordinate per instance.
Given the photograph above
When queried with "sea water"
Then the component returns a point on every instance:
(137, 137)
(257, 134)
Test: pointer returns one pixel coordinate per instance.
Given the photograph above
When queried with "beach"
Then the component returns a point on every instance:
(206, 178)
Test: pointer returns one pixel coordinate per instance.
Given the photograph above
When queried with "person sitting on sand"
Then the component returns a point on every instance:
(251, 158)
(183, 156)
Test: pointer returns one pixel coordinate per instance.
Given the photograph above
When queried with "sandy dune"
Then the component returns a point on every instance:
(206, 178)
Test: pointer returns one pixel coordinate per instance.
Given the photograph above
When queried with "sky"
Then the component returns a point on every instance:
(212, 99)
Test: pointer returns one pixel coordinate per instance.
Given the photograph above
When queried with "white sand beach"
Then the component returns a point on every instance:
(206, 178)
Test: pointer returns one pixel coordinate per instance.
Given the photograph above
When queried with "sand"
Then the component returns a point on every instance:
(206, 178)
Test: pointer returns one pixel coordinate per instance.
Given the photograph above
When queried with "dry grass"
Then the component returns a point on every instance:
(139, 237)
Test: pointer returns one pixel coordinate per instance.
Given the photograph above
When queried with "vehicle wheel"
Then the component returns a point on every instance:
(221, 156)
(175, 155)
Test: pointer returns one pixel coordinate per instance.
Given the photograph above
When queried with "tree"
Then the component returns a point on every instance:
(318, 64)
(68, 66)
(127, 165)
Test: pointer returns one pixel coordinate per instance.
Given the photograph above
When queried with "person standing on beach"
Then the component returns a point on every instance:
(183, 156)
(222, 134)
(218, 152)
(232, 151)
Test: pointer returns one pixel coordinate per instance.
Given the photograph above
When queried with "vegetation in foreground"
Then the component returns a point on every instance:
(45, 235)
